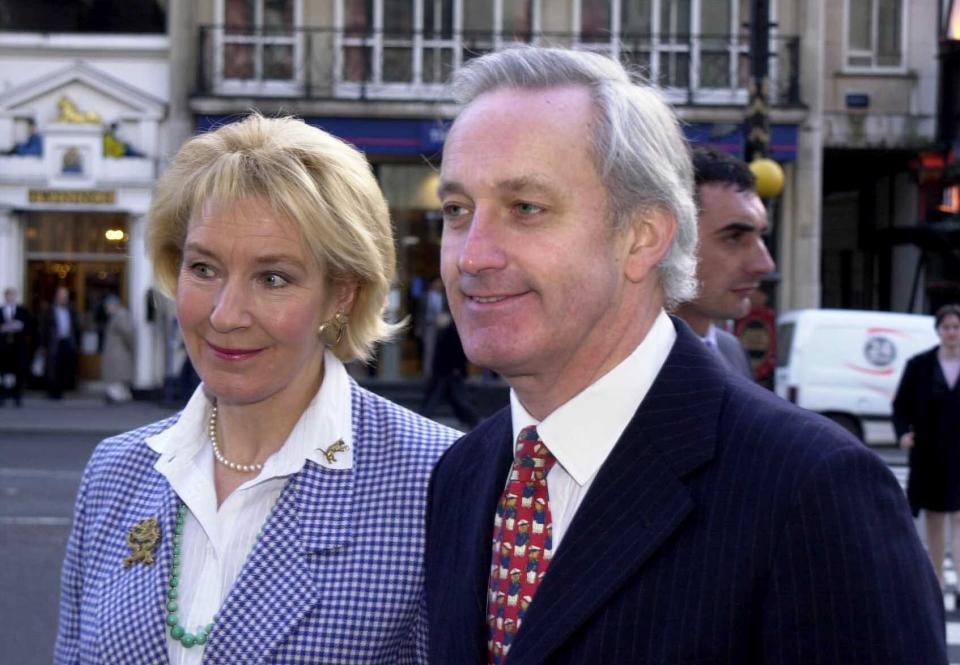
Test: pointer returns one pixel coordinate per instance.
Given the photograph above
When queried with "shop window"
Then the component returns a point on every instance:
(875, 34)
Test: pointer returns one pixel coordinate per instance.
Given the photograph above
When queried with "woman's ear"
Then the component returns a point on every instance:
(345, 294)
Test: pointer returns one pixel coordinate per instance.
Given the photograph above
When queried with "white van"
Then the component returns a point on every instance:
(846, 364)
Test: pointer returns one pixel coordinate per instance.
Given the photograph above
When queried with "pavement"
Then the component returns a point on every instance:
(79, 413)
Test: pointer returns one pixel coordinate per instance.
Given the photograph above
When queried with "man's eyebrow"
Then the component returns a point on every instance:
(524, 183)
(511, 185)
(449, 187)
(743, 227)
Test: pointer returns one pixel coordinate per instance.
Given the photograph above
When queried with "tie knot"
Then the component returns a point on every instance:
(533, 460)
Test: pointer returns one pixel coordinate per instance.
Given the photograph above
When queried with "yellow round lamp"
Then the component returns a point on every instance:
(769, 177)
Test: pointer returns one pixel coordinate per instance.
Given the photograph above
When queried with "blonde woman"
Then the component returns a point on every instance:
(278, 518)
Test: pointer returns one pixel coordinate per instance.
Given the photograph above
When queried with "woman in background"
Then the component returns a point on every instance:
(279, 516)
(926, 417)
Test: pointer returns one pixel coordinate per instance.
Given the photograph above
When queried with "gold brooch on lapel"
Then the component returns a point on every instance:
(142, 539)
(337, 447)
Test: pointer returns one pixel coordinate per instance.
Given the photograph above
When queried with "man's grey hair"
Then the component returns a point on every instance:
(638, 146)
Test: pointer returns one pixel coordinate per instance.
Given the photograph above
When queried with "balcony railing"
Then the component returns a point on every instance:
(326, 63)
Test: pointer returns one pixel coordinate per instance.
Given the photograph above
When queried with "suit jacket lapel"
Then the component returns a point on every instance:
(277, 587)
(636, 501)
(463, 597)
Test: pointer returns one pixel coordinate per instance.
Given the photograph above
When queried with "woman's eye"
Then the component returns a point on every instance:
(274, 281)
(201, 270)
(528, 208)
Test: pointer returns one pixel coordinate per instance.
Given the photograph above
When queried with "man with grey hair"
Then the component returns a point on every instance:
(635, 503)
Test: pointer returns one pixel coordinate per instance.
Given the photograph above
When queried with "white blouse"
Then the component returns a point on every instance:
(216, 542)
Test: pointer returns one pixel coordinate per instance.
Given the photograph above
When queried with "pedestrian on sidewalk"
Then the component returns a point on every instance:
(117, 361)
(14, 351)
(926, 417)
(60, 339)
(447, 375)
(279, 516)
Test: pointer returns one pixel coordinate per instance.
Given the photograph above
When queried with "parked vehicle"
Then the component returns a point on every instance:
(846, 364)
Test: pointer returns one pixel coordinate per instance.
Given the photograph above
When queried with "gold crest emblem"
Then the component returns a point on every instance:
(142, 539)
(337, 447)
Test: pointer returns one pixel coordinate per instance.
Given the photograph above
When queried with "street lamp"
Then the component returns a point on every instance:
(768, 172)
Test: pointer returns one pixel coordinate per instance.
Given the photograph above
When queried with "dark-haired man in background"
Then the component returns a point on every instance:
(732, 254)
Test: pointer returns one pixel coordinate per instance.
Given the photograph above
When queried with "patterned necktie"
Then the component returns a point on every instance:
(522, 543)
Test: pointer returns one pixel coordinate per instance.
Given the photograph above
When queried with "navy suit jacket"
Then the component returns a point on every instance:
(734, 354)
(726, 526)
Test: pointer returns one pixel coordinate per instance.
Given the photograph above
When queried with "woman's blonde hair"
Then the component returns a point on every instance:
(322, 184)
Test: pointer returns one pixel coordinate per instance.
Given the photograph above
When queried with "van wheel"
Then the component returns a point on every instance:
(846, 422)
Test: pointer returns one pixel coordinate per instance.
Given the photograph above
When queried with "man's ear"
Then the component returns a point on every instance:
(649, 237)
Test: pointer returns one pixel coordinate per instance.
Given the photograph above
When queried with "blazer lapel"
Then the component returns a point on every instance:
(461, 595)
(277, 587)
(126, 593)
(635, 503)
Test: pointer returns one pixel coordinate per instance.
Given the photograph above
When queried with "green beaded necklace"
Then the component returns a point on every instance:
(177, 631)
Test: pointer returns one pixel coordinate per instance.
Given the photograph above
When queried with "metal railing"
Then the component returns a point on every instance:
(328, 63)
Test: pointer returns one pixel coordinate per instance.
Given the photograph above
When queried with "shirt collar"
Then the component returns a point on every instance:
(326, 420)
(582, 432)
(710, 339)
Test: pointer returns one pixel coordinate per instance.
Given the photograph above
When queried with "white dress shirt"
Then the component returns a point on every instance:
(581, 433)
(216, 542)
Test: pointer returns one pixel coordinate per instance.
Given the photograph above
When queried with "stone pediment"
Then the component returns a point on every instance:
(79, 127)
(91, 89)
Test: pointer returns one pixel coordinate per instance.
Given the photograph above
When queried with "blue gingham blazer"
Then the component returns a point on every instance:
(336, 577)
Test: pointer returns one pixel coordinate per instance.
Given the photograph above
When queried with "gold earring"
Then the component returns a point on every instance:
(331, 332)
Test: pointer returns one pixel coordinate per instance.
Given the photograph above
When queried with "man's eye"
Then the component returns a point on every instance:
(453, 210)
(525, 208)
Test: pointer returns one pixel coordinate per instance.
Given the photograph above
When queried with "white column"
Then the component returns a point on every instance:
(148, 365)
(11, 251)
(801, 237)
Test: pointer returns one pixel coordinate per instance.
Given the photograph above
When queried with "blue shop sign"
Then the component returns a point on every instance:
(421, 136)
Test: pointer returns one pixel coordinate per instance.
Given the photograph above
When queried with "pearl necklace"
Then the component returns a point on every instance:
(242, 468)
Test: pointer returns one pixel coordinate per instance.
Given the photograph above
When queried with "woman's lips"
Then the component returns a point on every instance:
(232, 354)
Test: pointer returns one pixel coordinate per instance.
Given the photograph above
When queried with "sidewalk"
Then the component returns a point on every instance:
(88, 413)
(78, 412)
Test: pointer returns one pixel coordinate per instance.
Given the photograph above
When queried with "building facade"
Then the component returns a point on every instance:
(83, 102)
(373, 72)
(880, 154)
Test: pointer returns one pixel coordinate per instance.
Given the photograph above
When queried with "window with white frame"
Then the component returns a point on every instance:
(258, 46)
(404, 48)
(875, 34)
(689, 45)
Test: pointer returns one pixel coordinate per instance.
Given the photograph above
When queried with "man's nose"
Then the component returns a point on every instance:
(761, 262)
(482, 244)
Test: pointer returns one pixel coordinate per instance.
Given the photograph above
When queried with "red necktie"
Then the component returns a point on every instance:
(522, 543)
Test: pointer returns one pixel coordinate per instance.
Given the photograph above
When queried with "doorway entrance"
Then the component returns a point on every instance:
(85, 252)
